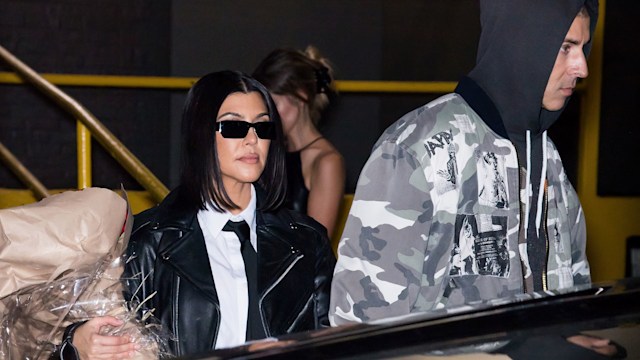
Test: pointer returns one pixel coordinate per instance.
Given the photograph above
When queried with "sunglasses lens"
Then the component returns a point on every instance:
(233, 129)
(265, 130)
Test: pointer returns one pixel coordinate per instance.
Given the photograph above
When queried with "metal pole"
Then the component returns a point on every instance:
(23, 173)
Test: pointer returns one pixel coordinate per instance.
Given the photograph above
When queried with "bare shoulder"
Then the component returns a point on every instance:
(326, 157)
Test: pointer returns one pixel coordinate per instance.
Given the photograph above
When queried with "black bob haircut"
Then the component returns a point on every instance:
(201, 180)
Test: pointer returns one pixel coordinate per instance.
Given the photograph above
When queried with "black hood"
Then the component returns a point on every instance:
(519, 42)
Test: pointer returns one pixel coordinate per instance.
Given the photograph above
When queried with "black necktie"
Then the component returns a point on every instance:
(255, 329)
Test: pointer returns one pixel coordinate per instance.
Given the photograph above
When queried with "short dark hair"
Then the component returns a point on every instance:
(201, 180)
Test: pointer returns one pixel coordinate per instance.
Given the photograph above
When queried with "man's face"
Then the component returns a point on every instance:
(570, 65)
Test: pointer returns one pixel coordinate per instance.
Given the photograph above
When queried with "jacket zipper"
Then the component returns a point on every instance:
(306, 304)
(545, 234)
(274, 284)
(176, 314)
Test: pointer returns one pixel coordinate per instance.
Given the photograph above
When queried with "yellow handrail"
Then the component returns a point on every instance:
(158, 82)
(119, 152)
(181, 83)
(151, 82)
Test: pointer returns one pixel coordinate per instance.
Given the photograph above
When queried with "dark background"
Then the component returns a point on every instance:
(414, 40)
(619, 151)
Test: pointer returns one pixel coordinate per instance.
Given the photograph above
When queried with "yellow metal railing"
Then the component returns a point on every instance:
(157, 82)
(48, 82)
(152, 82)
(23, 173)
(89, 125)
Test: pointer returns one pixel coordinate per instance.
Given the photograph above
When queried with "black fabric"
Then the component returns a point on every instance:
(481, 104)
(255, 329)
(536, 239)
(297, 193)
(557, 347)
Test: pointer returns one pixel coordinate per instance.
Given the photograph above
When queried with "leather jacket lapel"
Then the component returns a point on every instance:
(276, 253)
(186, 252)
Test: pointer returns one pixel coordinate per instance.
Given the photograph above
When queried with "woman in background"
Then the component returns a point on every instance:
(300, 83)
(219, 260)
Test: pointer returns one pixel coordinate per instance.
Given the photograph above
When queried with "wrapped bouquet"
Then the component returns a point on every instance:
(60, 263)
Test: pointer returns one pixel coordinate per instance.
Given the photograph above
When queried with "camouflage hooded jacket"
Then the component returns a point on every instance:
(437, 220)
(465, 199)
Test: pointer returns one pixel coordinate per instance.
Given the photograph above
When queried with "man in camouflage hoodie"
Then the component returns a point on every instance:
(465, 199)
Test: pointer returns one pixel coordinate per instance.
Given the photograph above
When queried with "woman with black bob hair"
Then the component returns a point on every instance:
(221, 262)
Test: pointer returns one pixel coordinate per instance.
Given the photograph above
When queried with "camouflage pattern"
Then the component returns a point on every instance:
(436, 220)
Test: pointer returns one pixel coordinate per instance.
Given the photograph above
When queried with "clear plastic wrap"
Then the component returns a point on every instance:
(35, 316)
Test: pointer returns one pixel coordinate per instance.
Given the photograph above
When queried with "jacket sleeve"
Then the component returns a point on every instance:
(138, 277)
(383, 261)
(570, 220)
(579, 263)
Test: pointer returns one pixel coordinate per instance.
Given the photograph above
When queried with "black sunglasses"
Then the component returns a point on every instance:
(237, 129)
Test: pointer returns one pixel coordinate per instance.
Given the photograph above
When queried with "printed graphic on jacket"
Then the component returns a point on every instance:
(480, 246)
(447, 174)
(491, 175)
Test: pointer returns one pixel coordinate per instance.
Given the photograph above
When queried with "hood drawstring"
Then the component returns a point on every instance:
(543, 175)
(528, 191)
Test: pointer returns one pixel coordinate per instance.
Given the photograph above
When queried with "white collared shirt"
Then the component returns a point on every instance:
(227, 267)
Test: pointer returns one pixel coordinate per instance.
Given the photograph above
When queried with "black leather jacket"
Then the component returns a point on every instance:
(295, 267)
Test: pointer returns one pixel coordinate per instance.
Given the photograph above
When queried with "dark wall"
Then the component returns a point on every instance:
(366, 40)
(227, 34)
(426, 41)
(618, 172)
(85, 37)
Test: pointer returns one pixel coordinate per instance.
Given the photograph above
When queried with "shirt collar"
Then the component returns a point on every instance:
(215, 221)
(248, 214)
